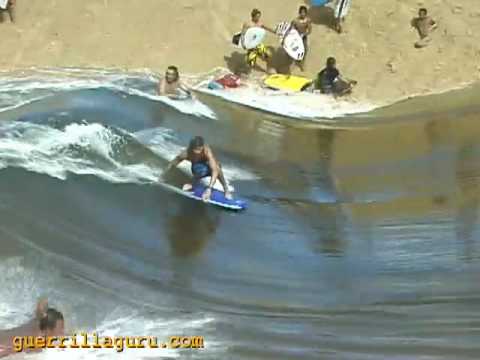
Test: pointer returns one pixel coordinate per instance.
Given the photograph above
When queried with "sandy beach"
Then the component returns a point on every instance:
(376, 48)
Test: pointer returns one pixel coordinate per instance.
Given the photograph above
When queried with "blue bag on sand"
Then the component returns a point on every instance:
(213, 85)
(319, 2)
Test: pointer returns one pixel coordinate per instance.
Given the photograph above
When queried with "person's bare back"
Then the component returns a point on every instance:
(424, 25)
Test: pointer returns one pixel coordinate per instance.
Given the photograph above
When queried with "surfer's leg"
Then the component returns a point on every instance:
(223, 181)
(422, 42)
(11, 10)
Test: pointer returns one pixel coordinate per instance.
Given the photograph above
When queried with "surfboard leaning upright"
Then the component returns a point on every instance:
(342, 8)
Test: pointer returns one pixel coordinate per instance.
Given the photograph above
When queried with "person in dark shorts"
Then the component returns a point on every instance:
(204, 164)
(329, 80)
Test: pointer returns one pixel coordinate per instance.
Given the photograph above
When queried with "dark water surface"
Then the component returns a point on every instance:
(360, 242)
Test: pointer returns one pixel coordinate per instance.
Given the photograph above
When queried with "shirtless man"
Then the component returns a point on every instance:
(203, 164)
(303, 24)
(171, 85)
(10, 9)
(424, 25)
(47, 322)
(261, 50)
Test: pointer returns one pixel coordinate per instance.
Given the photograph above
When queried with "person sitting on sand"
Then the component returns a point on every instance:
(424, 25)
(204, 164)
(329, 80)
(261, 51)
(171, 85)
(47, 322)
(303, 24)
(10, 8)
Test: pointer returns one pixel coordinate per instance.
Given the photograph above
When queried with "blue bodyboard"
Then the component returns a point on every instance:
(218, 198)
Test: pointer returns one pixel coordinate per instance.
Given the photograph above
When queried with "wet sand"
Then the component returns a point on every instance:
(376, 48)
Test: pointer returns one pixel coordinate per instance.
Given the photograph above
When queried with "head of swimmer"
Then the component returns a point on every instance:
(256, 15)
(422, 13)
(52, 323)
(331, 63)
(196, 145)
(302, 12)
(171, 75)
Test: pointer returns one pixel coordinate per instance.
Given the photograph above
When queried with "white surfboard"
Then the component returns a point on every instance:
(3, 4)
(253, 37)
(282, 28)
(293, 45)
(342, 8)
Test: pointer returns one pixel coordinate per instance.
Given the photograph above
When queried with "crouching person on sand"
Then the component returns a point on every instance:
(329, 80)
(424, 25)
(8, 7)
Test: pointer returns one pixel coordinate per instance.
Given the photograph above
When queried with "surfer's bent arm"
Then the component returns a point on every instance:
(185, 88)
(212, 162)
(268, 29)
(309, 27)
(178, 159)
(161, 87)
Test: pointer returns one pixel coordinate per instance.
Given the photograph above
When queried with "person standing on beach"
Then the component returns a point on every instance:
(424, 25)
(340, 13)
(10, 8)
(261, 51)
(303, 24)
(171, 86)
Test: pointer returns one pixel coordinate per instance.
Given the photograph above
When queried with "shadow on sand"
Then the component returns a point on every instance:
(321, 15)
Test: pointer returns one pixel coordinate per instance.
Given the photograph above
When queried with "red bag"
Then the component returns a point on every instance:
(229, 81)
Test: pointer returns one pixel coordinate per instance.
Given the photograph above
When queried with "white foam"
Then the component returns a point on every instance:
(27, 86)
(297, 105)
(47, 150)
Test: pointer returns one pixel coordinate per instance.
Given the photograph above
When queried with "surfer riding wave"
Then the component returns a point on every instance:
(204, 164)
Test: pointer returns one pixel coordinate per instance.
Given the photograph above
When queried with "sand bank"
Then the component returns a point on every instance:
(376, 49)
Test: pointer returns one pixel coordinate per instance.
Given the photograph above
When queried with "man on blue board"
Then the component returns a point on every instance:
(204, 164)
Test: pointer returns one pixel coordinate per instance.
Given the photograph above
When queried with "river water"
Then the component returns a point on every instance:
(361, 240)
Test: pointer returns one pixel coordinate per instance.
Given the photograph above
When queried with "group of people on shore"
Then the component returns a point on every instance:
(327, 81)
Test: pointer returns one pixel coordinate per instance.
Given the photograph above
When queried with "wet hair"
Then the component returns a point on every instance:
(174, 68)
(195, 143)
(331, 61)
(255, 12)
(49, 320)
(423, 10)
(302, 8)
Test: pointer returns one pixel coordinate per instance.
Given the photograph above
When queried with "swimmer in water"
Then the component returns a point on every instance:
(171, 85)
(203, 164)
(47, 322)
